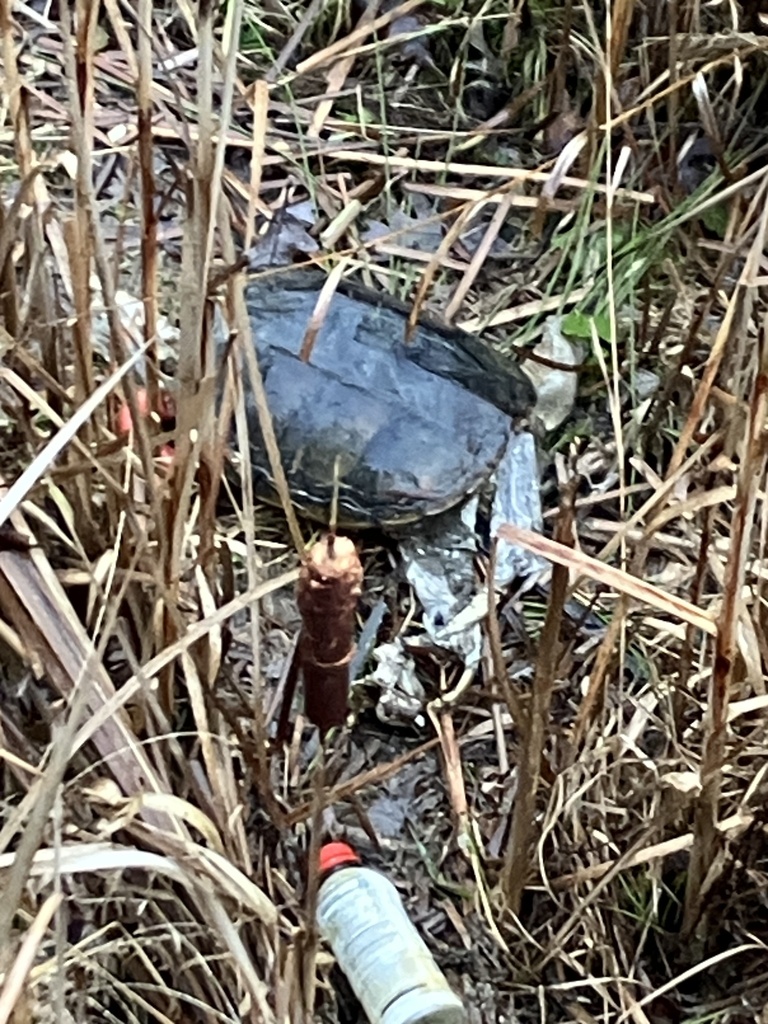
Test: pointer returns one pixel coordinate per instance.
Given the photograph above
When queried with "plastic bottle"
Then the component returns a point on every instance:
(387, 962)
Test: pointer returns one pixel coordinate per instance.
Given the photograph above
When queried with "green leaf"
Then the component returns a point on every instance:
(603, 325)
(577, 324)
(715, 219)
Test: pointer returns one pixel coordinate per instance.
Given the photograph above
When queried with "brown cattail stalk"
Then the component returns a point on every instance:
(329, 586)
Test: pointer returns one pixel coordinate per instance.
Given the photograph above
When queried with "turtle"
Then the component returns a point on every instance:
(405, 428)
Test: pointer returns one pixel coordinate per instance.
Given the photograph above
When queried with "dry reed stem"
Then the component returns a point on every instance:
(356, 36)
(524, 310)
(83, 675)
(618, 17)
(256, 381)
(481, 253)
(751, 472)
(195, 632)
(17, 975)
(321, 309)
(196, 445)
(705, 385)
(534, 727)
(306, 953)
(603, 661)
(41, 283)
(403, 163)
(149, 247)
(196, 365)
(263, 778)
(80, 260)
(337, 74)
(609, 576)
(463, 215)
(503, 194)
(238, 317)
(259, 104)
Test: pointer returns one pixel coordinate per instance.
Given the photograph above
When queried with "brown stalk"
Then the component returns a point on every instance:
(256, 381)
(309, 940)
(80, 251)
(597, 677)
(214, 435)
(454, 775)
(9, 310)
(41, 284)
(685, 663)
(706, 837)
(192, 288)
(80, 257)
(259, 104)
(196, 436)
(147, 178)
(501, 676)
(329, 586)
(82, 149)
(619, 20)
(703, 391)
(237, 314)
(371, 777)
(533, 731)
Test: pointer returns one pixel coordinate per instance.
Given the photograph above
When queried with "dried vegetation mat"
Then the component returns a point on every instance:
(579, 829)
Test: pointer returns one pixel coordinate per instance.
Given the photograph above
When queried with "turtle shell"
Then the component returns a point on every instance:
(406, 428)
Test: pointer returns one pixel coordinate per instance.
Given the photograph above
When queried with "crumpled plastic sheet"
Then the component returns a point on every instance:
(439, 565)
(517, 500)
(555, 388)
(401, 694)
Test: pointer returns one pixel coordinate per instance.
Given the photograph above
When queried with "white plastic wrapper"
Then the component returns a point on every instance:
(555, 389)
(518, 501)
(439, 563)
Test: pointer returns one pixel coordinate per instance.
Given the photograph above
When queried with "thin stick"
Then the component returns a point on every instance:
(517, 860)
(706, 836)
(147, 177)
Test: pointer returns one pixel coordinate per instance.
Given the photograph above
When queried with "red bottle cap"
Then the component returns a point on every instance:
(334, 855)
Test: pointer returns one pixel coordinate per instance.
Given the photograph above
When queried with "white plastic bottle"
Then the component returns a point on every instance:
(387, 962)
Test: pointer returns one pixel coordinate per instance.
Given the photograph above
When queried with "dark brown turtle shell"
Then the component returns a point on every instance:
(413, 427)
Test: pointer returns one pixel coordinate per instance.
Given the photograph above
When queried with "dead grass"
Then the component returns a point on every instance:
(587, 846)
